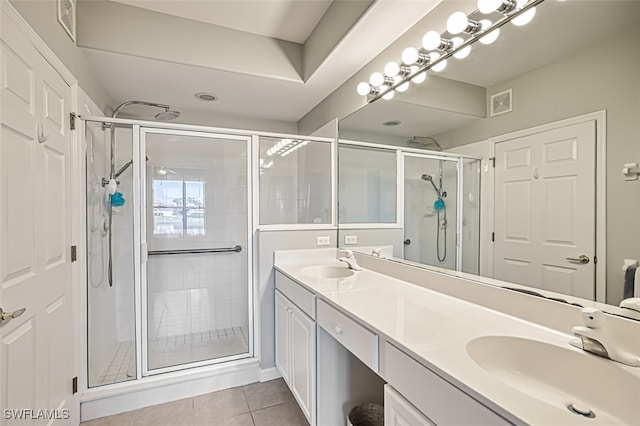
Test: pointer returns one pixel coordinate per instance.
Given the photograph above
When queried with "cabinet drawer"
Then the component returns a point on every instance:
(358, 340)
(299, 295)
(438, 399)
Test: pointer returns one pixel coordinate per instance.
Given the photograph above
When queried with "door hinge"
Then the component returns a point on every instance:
(493, 161)
(493, 236)
(72, 120)
(74, 385)
(74, 253)
(595, 259)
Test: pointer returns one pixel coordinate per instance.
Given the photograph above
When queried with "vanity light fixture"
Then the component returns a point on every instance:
(463, 53)
(280, 147)
(298, 144)
(488, 38)
(433, 41)
(459, 23)
(525, 18)
(437, 48)
(501, 6)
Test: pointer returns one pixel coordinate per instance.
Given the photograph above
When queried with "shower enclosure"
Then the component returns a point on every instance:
(441, 214)
(180, 293)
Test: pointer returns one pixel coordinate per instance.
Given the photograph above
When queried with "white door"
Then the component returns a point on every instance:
(545, 210)
(36, 365)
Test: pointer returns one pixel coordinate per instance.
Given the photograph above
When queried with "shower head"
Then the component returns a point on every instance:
(429, 178)
(422, 142)
(167, 115)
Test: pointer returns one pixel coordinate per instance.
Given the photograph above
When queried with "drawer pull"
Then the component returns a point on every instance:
(338, 330)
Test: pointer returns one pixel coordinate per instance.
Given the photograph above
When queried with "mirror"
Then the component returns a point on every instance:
(576, 62)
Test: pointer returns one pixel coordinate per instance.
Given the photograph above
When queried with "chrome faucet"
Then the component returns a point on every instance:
(592, 337)
(350, 260)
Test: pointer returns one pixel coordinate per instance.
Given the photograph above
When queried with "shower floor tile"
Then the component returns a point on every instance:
(175, 350)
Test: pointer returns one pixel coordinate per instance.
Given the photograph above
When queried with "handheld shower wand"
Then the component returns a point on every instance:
(440, 205)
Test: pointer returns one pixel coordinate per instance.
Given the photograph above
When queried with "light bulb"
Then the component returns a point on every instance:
(431, 40)
(392, 69)
(441, 65)
(409, 56)
(363, 88)
(419, 78)
(525, 18)
(492, 36)
(376, 79)
(488, 6)
(457, 23)
(463, 53)
(403, 87)
(389, 95)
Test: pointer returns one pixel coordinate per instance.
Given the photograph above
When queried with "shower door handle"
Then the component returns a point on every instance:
(582, 259)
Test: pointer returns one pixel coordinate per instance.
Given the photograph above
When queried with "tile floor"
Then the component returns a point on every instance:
(258, 404)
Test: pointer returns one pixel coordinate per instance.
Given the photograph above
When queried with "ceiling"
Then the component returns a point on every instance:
(265, 59)
(291, 20)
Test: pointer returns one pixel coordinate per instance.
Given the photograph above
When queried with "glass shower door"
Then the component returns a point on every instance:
(431, 210)
(196, 227)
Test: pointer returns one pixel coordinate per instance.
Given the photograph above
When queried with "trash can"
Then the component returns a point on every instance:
(366, 414)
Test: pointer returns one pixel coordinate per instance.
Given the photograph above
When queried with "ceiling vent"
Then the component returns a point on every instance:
(67, 17)
(502, 102)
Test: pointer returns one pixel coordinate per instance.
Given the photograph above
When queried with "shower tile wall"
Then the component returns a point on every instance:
(211, 286)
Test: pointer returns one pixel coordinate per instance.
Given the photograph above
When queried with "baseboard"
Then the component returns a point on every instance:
(269, 374)
(170, 387)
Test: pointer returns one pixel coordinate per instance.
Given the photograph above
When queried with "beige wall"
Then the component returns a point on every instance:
(603, 77)
(42, 16)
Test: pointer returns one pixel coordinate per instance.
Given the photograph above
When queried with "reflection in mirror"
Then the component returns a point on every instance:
(409, 205)
(295, 181)
(556, 103)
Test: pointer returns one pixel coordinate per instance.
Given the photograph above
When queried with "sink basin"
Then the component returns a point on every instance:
(327, 271)
(561, 376)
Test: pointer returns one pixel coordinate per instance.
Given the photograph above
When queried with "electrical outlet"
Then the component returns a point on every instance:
(351, 239)
(323, 241)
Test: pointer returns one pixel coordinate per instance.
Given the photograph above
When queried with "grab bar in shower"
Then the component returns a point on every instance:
(236, 249)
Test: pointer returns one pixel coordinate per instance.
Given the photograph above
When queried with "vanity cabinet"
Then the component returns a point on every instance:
(296, 352)
(431, 394)
(399, 412)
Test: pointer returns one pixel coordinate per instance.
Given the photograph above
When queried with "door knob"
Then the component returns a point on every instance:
(6, 316)
(582, 259)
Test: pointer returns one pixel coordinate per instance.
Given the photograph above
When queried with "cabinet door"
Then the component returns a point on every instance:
(283, 314)
(398, 412)
(303, 366)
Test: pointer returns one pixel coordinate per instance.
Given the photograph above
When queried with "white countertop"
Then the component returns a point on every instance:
(435, 329)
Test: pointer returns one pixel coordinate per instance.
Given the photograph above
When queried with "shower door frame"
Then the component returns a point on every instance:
(140, 249)
(458, 160)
